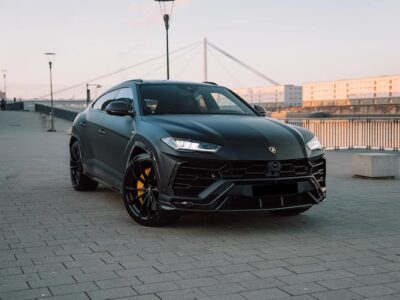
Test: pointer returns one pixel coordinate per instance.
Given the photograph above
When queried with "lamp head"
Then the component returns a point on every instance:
(50, 56)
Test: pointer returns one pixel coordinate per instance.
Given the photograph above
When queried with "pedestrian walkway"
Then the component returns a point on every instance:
(62, 244)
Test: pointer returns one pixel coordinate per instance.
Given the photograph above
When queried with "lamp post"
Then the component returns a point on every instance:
(97, 86)
(166, 17)
(4, 72)
(50, 57)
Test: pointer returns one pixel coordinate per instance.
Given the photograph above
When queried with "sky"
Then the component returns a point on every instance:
(290, 41)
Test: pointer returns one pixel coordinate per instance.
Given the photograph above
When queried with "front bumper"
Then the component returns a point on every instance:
(245, 186)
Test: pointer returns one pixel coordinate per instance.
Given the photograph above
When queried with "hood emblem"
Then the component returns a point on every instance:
(272, 149)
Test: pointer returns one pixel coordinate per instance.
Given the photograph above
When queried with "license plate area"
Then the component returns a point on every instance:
(275, 188)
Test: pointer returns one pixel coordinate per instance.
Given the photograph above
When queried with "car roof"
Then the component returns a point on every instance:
(166, 82)
(130, 83)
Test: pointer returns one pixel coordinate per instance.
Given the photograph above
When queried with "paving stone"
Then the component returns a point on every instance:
(197, 282)
(156, 287)
(181, 294)
(159, 277)
(303, 288)
(137, 272)
(272, 293)
(272, 272)
(221, 289)
(95, 276)
(195, 273)
(262, 283)
(26, 294)
(236, 277)
(79, 296)
(300, 269)
(373, 291)
(340, 283)
(118, 282)
(50, 282)
(112, 293)
(73, 288)
(337, 294)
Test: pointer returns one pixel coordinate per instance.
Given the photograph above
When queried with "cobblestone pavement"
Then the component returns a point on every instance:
(62, 244)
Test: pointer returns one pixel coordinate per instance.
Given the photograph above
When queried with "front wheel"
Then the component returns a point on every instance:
(140, 193)
(290, 211)
(80, 181)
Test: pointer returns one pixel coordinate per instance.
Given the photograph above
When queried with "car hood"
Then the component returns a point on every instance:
(229, 130)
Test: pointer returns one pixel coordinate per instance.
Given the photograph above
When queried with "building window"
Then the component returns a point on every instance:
(390, 94)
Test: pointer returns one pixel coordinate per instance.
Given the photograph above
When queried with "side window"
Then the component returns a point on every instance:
(126, 95)
(224, 103)
(104, 100)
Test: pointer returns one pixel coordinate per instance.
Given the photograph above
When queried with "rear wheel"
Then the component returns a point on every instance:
(80, 181)
(140, 193)
(290, 211)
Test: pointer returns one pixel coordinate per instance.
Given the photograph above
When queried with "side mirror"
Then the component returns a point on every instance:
(260, 109)
(119, 108)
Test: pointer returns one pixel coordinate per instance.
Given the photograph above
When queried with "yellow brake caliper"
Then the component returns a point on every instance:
(140, 185)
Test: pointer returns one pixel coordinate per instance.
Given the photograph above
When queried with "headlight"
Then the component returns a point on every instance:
(182, 144)
(314, 144)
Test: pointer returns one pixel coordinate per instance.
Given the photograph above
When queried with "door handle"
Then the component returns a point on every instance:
(102, 131)
(83, 124)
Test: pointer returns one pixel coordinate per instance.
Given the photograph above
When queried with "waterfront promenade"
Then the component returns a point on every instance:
(62, 244)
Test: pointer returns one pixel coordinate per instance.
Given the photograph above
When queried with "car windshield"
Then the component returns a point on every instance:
(170, 99)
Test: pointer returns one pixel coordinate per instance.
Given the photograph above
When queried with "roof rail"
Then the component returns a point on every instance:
(137, 80)
(210, 82)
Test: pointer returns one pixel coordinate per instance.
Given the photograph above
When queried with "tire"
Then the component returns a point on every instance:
(140, 193)
(79, 181)
(290, 211)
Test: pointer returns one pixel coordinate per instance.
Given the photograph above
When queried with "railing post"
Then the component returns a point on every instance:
(368, 127)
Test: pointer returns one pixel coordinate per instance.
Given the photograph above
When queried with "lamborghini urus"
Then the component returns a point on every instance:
(172, 148)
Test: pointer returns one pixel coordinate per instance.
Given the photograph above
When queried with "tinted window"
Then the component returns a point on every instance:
(126, 94)
(104, 100)
(161, 99)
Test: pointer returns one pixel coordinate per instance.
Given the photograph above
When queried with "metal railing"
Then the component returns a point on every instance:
(369, 133)
(58, 112)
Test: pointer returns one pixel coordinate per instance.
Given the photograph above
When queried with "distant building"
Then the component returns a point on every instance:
(285, 95)
(2, 95)
(362, 89)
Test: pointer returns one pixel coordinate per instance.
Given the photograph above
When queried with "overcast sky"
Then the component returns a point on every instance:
(291, 41)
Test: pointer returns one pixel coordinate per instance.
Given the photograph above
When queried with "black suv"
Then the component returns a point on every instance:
(177, 147)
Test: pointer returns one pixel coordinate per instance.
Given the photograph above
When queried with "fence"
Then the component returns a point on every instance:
(58, 112)
(15, 106)
(369, 133)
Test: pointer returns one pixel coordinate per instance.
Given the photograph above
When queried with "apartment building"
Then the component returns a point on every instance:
(352, 89)
(281, 94)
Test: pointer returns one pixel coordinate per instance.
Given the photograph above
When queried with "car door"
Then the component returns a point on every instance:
(119, 130)
(94, 137)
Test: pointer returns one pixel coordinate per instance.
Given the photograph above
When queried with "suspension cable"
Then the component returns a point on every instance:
(246, 66)
(172, 60)
(224, 67)
(119, 71)
(188, 63)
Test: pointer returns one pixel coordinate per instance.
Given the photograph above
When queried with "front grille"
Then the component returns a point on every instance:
(318, 169)
(269, 202)
(195, 176)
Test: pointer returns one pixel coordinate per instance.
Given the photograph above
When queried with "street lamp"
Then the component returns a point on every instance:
(166, 16)
(50, 57)
(4, 72)
(97, 86)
